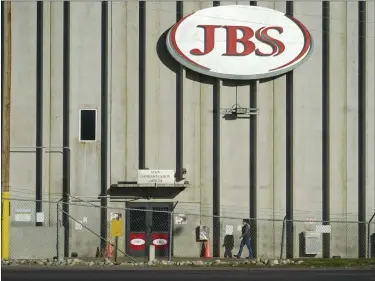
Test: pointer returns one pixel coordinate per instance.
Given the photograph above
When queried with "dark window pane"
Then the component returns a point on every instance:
(88, 125)
(160, 219)
(138, 220)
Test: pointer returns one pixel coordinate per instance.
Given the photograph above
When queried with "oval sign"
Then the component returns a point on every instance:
(239, 42)
(137, 241)
(160, 242)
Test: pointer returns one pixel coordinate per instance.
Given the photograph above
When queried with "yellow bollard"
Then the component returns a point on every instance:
(5, 157)
(5, 227)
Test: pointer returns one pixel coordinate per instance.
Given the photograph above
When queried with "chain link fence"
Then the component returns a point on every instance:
(371, 239)
(33, 228)
(42, 234)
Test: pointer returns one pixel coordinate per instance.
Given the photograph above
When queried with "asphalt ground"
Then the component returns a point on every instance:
(189, 274)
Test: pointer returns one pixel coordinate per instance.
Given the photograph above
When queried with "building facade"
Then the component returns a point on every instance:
(96, 95)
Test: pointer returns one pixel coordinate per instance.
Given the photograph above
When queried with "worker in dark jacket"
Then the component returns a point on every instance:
(246, 239)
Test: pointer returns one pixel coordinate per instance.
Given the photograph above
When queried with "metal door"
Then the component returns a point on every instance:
(147, 224)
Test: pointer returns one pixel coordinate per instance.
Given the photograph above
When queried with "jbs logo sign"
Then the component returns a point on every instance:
(239, 42)
(249, 46)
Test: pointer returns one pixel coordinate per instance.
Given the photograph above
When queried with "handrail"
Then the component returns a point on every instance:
(27, 149)
(368, 236)
(50, 147)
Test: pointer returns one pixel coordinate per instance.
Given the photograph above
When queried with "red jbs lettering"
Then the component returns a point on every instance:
(249, 47)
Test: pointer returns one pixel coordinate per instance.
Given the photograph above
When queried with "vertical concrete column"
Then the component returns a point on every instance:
(289, 156)
(66, 125)
(326, 125)
(104, 126)
(362, 72)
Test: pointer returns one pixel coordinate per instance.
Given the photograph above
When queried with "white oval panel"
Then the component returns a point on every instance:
(160, 242)
(137, 242)
(239, 42)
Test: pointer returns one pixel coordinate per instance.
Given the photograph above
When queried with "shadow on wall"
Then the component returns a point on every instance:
(228, 246)
(173, 65)
(177, 231)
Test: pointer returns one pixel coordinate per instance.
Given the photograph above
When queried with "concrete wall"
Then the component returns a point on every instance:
(198, 119)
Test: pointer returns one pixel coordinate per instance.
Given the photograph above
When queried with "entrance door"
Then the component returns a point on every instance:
(147, 224)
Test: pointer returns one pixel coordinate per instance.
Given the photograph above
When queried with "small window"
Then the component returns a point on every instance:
(87, 125)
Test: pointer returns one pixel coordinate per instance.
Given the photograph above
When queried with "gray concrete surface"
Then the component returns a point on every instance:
(188, 275)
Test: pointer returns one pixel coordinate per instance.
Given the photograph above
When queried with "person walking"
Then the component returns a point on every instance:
(246, 239)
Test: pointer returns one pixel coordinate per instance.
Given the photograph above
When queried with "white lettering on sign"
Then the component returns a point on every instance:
(160, 242)
(156, 176)
(239, 42)
(23, 215)
(137, 241)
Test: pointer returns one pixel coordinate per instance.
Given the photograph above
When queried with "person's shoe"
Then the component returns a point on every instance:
(237, 256)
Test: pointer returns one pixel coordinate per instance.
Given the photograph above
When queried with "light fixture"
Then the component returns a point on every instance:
(236, 110)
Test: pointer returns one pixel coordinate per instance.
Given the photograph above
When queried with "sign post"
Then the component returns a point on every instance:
(117, 230)
(116, 246)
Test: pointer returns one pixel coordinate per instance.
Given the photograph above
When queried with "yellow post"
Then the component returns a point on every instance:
(116, 231)
(5, 227)
(6, 135)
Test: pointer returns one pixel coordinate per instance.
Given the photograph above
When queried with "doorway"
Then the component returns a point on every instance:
(147, 224)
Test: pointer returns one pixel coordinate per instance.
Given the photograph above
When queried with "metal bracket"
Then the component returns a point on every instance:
(238, 110)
